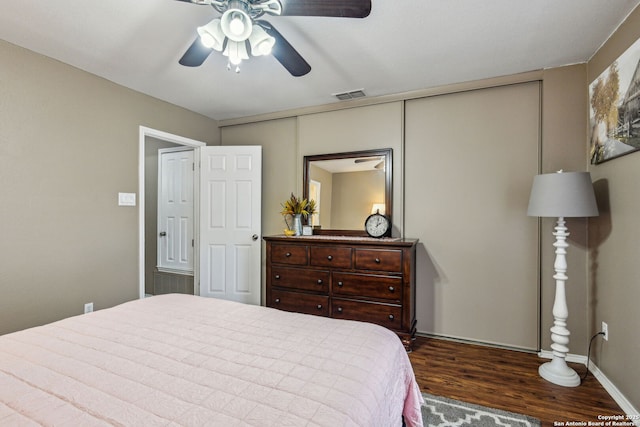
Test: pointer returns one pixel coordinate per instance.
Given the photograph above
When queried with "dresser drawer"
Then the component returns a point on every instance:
(300, 278)
(299, 302)
(387, 315)
(379, 259)
(367, 285)
(289, 254)
(328, 256)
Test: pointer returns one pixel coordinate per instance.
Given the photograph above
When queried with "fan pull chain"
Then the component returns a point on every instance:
(237, 70)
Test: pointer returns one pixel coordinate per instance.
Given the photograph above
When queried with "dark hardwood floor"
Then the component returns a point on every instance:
(507, 380)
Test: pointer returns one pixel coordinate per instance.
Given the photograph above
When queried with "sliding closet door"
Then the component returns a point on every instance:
(469, 162)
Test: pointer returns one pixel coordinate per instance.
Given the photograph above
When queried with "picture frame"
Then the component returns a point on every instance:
(614, 108)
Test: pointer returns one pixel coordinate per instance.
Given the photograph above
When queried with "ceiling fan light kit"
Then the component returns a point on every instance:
(229, 33)
(238, 27)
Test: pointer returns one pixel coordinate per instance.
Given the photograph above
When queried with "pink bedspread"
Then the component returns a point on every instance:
(182, 360)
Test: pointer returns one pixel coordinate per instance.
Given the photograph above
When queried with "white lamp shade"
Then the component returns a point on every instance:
(236, 24)
(562, 194)
(378, 208)
(261, 42)
(211, 35)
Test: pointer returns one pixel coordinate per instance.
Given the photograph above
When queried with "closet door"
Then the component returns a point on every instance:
(470, 159)
(175, 210)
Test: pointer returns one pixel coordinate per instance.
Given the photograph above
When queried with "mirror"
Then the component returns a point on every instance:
(347, 188)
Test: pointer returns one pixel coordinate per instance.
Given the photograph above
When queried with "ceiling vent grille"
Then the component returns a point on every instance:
(344, 96)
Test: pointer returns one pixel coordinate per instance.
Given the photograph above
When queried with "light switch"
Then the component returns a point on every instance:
(126, 199)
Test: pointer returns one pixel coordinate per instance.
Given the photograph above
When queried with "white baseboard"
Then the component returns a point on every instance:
(574, 358)
(613, 391)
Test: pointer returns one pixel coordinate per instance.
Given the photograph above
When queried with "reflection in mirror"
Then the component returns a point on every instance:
(347, 187)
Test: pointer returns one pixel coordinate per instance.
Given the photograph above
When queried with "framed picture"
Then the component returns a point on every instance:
(614, 109)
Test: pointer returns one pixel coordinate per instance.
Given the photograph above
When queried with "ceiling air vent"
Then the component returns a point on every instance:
(344, 96)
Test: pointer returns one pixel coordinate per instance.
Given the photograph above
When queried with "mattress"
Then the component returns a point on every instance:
(183, 360)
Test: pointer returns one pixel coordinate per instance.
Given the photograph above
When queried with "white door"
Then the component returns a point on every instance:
(230, 222)
(175, 210)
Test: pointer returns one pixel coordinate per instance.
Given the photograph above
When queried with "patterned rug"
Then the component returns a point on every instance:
(443, 412)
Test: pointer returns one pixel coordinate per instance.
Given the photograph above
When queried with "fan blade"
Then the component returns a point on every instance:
(367, 159)
(195, 55)
(333, 8)
(285, 53)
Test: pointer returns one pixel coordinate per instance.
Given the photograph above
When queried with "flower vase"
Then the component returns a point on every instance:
(297, 224)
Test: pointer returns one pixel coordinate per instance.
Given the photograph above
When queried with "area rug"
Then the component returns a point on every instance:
(443, 412)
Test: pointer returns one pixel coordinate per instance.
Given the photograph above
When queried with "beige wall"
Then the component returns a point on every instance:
(470, 159)
(68, 145)
(355, 129)
(384, 125)
(615, 240)
(326, 194)
(354, 193)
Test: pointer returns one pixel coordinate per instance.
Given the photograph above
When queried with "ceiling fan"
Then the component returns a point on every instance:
(380, 165)
(238, 32)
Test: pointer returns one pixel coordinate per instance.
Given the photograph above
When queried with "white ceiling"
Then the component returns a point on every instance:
(402, 45)
(349, 165)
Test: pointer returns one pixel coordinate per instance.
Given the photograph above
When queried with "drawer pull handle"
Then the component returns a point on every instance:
(339, 309)
(329, 257)
(319, 306)
(391, 317)
(391, 289)
(377, 260)
(277, 277)
(340, 284)
(288, 254)
(319, 281)
(277, 300)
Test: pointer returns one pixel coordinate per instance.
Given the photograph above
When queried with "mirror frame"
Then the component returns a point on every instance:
(387, 153)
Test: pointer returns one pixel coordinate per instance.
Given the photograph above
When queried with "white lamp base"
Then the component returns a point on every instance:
(558, 372)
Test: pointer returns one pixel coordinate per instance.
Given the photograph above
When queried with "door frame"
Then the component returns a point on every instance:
(145, 132)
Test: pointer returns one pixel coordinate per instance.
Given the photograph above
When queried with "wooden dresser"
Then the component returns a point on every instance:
(356, 278)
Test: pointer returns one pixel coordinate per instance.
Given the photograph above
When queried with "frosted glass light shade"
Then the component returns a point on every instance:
(211, 35)
(261, 43)
(236, 24)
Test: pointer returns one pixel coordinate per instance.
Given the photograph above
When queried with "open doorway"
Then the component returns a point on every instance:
(151, 280)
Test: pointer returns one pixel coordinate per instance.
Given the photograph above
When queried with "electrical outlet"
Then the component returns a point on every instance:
(88, 307)
(605, 330)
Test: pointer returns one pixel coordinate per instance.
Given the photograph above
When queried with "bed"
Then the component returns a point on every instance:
(183, 360)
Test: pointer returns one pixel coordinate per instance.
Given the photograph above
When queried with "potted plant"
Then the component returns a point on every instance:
(297, 207)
